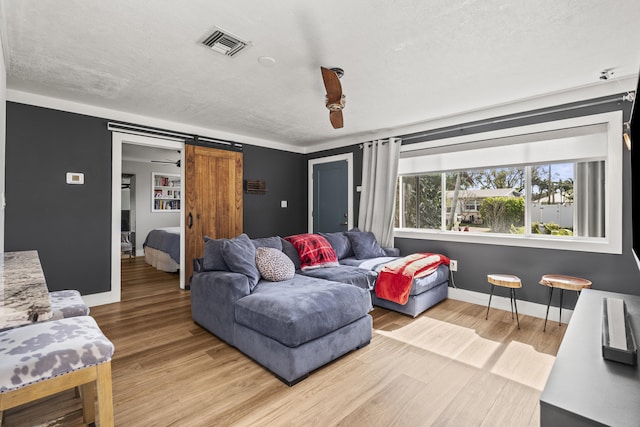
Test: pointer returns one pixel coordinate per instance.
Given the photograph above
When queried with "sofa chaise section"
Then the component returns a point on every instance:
(291, 326)
(303, 322)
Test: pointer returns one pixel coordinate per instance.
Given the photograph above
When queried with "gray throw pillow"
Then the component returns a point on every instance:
(212, 258)
(274, 265)
(268, 242)
(340, 244)
(240, 256)
(364, 244)
(289, 250)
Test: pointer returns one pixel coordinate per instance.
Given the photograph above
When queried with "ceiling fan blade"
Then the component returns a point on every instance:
(336, 119)
(332, 85)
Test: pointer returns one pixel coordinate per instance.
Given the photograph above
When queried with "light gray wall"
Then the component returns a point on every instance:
(145, 219)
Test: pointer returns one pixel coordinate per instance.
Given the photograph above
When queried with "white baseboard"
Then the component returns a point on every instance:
(503, 303)
(103, 298)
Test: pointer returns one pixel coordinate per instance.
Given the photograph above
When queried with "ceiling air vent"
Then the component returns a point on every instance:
(224, 43)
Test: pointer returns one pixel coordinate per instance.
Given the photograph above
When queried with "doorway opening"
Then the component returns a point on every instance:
(120, 141)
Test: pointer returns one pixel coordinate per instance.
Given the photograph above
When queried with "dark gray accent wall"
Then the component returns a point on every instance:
(285, 174)
(616, 273)
(69, 225)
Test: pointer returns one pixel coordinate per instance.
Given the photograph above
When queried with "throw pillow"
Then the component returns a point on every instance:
(289, 250)
(274, 265)
(268, 242)
(340, 244)
(240, 256)
(365, 245)
(314, 251)
(212, 258)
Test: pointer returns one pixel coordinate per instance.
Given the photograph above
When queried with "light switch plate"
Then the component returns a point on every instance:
(283, 203)
(75, 178)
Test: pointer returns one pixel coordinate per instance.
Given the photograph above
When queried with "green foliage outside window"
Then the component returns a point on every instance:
(500, 213)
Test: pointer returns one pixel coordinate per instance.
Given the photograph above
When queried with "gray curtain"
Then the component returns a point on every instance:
(377, 200)
(589, 199)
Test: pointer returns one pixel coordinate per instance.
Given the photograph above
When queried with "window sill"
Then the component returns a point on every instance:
(562, 243)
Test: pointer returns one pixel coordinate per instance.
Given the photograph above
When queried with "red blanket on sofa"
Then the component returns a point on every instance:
(395, 278)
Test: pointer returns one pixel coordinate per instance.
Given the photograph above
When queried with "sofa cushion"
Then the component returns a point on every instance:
(355, 276)
(364, 244)
(340, 244)
(302, 309)
(268, 242)
(274, 265)
(289, 250)
(212, 259)
(240, 256)
(314, 251)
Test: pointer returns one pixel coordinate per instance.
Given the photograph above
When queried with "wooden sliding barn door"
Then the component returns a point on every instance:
(213, 198)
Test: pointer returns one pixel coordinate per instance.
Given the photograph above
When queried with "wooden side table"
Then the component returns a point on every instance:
(562, 282)
(506, 281)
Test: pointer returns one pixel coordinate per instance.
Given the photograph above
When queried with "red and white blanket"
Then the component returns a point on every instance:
(314, 251)
(395, 278)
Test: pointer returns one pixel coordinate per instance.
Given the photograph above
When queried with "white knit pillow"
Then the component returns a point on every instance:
(274, 265)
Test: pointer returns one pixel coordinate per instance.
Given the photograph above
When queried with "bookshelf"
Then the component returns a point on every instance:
(165, 192)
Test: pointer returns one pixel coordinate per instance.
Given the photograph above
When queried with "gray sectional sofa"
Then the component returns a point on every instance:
(295, 325)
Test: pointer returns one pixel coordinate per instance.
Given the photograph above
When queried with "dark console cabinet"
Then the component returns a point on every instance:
(583, 388)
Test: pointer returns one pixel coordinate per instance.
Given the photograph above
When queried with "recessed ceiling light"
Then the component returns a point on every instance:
(267, 61)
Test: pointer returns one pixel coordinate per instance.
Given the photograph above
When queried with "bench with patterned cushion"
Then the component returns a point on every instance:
(45, 358)
(68, 303)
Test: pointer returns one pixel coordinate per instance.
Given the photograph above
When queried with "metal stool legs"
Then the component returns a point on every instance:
(548, 304)
(512, 300)
(514, 304)
(489, 305)
(560, 307)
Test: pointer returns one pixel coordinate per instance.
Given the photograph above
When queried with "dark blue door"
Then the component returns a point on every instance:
(330, 196)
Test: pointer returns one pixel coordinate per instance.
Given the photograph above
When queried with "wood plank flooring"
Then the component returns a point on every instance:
(447, 367)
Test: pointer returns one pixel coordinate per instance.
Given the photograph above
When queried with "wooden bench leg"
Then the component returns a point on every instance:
(105, 395)
(88, 396)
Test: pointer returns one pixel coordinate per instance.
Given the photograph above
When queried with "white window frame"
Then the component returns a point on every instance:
(612, 243)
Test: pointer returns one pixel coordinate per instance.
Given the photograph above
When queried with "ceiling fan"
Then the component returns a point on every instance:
(172, 162)
(335, 99)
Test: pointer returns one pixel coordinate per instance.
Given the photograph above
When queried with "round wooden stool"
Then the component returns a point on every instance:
(506, 281)
(562, 282)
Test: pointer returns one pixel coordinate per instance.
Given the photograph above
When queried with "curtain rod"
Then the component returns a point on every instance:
(629, 96)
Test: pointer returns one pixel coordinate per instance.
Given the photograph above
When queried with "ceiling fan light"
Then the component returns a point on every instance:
(335, 106)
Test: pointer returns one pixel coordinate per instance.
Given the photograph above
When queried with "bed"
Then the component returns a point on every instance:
(162, 248)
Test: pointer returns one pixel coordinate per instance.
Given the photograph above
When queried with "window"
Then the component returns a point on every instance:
(549, 185)
(494, 200)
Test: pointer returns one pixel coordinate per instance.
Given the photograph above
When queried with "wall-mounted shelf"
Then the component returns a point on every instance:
(165, 192)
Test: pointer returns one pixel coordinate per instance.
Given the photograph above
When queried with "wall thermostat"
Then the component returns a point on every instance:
(75, 178)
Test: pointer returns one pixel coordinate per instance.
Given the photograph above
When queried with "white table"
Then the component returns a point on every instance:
(24, 296)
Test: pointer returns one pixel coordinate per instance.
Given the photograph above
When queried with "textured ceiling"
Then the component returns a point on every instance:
(405, 61)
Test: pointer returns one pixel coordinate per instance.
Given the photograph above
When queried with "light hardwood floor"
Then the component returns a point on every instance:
(448, 366)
